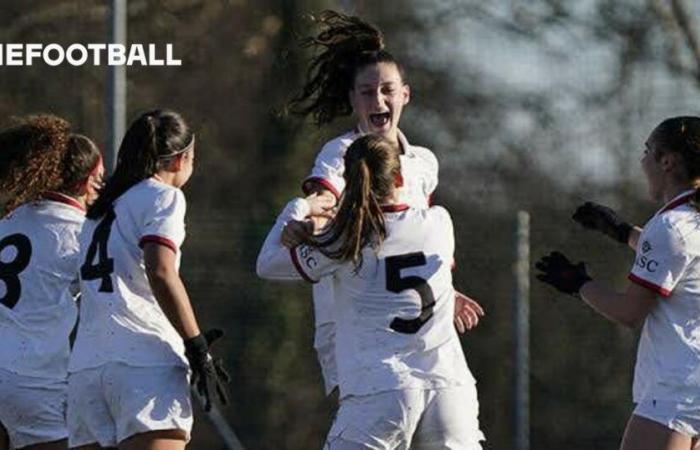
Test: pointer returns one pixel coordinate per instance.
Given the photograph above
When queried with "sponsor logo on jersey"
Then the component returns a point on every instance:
(646, 247)
(307, 254)
(648, 264)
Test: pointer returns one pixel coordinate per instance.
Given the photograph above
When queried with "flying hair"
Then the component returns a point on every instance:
(343, 46)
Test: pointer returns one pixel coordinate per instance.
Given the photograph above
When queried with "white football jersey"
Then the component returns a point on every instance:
(668, 262)
(39, 260)
(419, 168)
(394, 316)
(120, 319)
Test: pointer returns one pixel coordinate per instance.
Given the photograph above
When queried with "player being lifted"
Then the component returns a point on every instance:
(402, 374)
(128, 380)
(47, 177)
(663, 293)
(354, 74)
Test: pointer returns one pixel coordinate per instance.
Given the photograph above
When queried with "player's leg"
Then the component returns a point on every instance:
(646, 434)
(55, 445)
(92, 447)
(156, 440)
(450, 421)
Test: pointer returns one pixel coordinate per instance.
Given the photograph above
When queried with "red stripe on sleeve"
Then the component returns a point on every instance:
(299, 267)
(160, 240)
(649, 285)
(323, 182)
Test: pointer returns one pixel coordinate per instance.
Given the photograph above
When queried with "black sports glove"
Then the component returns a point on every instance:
(560, 273)
(594, 216)
(205, 369)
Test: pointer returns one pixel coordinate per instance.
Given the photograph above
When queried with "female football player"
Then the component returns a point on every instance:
(355, 74)
(47, 176)
(663, 293)
(138, 334)
(402, 374)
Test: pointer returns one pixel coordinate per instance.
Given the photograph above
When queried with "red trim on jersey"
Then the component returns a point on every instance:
(649, 285)
(430, 199)
(160, 240)
(677, 202)
(323, 182)
(63, 198)
(299, 267)
(395, 208)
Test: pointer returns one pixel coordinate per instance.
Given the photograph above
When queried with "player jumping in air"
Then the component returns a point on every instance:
(402, 374)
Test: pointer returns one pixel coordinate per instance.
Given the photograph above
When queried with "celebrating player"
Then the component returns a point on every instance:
(401, 370)
(48, 176)
(353, 73)
(664, 289)
(129, 368)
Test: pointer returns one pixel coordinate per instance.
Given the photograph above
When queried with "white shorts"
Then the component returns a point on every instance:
(680, 416)
(32, 409)
(414, 418)
(112, 402)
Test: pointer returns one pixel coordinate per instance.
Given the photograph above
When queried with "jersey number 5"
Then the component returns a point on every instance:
(104, 266)
(395, 283)
(9, 271)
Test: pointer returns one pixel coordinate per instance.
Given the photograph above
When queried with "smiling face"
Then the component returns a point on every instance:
(378, 97)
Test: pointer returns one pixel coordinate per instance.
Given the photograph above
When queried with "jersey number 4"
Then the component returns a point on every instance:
(104, 266)
(394, 283)
(9, 271)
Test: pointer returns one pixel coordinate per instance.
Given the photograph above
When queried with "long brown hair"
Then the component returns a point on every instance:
(371, 168)
(31, 156)
(681, 135)
(151, 139)
(345, 45)
(80, 161)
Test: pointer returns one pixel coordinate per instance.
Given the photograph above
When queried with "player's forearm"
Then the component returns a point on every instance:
(609, 303)
(173, 300)
(633, 239)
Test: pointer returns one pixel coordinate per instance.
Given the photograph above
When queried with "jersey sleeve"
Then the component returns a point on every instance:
(164, 223)
(328, 169)
(661, 259)
(445, 229)
(312, 264)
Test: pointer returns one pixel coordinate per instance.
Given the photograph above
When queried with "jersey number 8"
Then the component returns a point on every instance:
(9, 271)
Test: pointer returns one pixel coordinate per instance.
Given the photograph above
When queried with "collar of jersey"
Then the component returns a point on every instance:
(63, 198)
(396, 207)
(678, 200)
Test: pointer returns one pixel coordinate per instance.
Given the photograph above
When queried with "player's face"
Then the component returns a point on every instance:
(186, 168)
(378, 97)
(95, 183)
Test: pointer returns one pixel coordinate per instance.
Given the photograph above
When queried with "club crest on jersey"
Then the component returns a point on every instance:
(307, 254)
(646, 247)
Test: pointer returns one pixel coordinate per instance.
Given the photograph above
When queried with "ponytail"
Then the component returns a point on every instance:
(346, 44)
(153, 137)
(371, 167)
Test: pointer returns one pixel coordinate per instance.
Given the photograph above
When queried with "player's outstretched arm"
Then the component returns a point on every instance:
(628, 308)
(172, 297)
(594, 216)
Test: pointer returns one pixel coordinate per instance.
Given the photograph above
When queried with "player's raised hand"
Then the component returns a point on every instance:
(594, 216)
(206, 371)
(297, 232)
(321, 205)
(557, 271)
(467, 312)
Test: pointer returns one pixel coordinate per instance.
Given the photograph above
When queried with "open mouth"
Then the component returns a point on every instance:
(379, 120)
